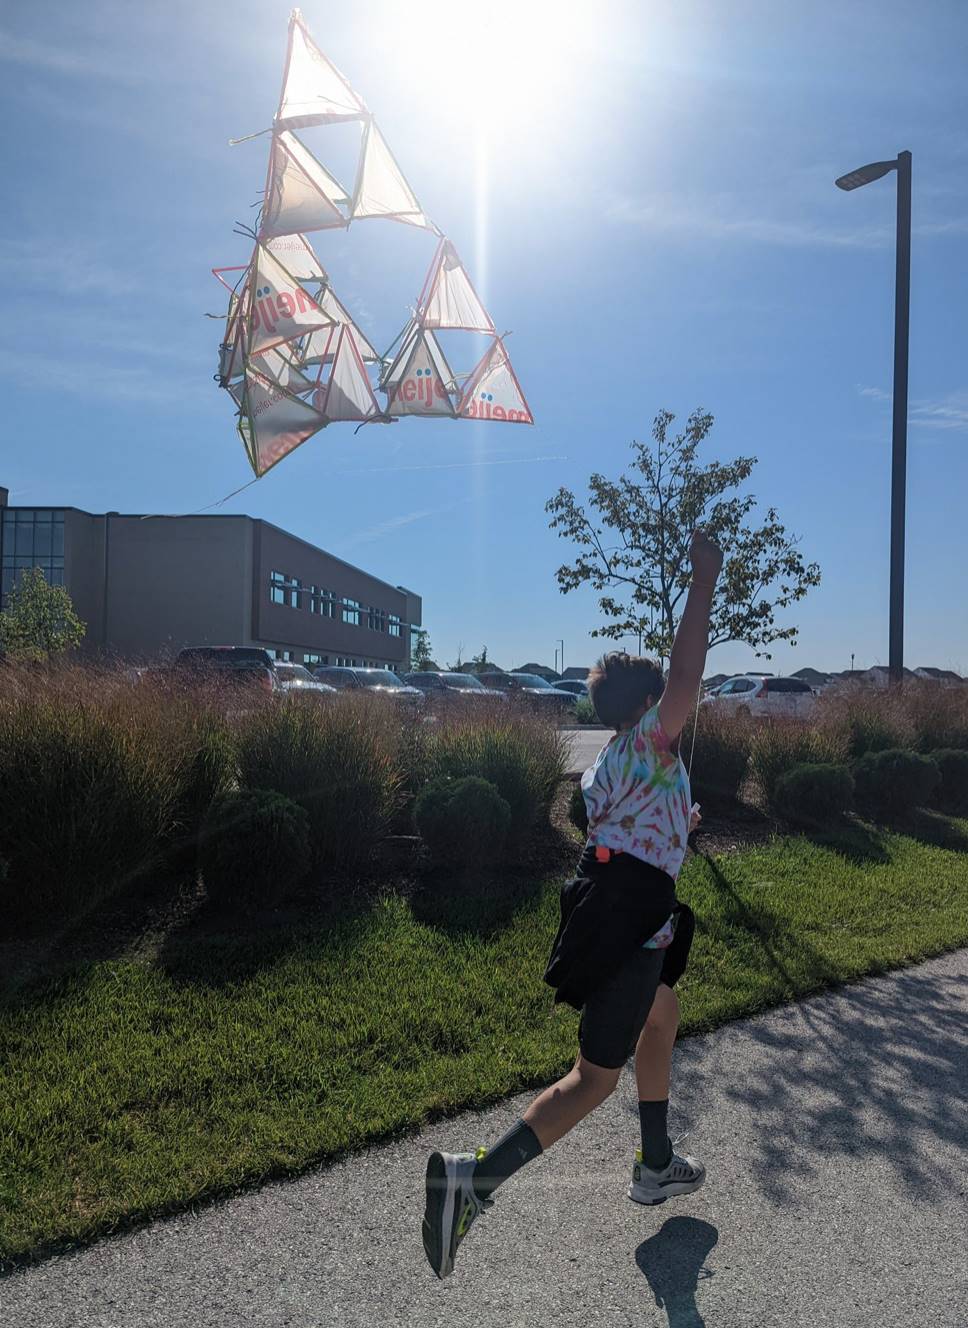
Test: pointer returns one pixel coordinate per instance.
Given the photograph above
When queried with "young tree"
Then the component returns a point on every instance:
(458, 665)
(479, 663)
(39, 620)
(423, 660)
(637, 543)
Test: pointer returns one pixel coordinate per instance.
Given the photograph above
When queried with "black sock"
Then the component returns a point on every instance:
(656, 1146)
(509, 1154)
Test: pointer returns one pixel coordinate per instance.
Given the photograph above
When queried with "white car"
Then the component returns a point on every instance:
(764, 696)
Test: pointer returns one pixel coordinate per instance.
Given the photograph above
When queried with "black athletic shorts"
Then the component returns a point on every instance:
(614, 1014)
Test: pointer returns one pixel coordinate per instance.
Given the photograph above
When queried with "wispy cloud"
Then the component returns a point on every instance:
(452, 465)
(62, 266)
(721, 218)
(393, 524)
(711, 219)
(948, 413)
(60, 60)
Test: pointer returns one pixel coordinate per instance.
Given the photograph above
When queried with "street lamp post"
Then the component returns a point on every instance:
(562, 644)
(902, 310)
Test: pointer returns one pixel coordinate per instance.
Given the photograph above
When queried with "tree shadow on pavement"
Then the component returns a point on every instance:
(869, 1071)
(673, 1261)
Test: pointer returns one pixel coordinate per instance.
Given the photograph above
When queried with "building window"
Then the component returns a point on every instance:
(322, 602)
(351, 612)
(396, 627)
(31, 537)
(284, 589)
(311, 660)
(377, 620)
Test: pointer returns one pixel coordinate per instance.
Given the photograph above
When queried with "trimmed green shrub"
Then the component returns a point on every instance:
(894, 782)
(253, 847)
(577, 811)
(952, 793)
(720, 758)
(205, 765)
(585, 711)
(523, 757)
(777, 745)
(464, 822)
(814, 795)
(339, 761)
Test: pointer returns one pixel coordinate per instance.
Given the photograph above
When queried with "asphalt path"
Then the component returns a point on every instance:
(835, 1138)
(584, 744)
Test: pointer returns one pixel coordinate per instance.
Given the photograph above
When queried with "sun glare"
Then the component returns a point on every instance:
(500, 67)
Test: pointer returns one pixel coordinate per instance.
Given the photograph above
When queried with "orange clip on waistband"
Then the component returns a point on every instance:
(602, 854)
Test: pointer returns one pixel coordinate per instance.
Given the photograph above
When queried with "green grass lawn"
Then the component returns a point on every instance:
(130, 1089)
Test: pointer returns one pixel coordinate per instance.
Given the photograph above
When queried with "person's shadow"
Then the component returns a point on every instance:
(673, 1260)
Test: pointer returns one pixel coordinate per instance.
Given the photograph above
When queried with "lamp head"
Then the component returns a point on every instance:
(865, 174)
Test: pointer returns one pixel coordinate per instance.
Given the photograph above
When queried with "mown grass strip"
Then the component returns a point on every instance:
(128, 1091)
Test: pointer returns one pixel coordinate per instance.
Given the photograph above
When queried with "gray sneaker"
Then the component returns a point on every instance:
(683, 1175)
(452, 1206)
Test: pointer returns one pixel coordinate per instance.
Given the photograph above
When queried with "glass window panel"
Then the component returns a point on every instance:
(56, 577)
(25, 539)
(42, 539)
(57, 539)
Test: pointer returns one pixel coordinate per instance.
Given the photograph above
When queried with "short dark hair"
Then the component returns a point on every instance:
(620, 684)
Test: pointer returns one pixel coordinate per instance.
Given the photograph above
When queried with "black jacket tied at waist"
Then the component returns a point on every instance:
(607, 911)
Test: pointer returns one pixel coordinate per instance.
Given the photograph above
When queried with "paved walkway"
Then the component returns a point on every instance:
(834, 1132)
(585, 745)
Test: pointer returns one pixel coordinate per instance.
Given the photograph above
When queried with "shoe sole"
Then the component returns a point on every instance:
(671, 1192)
(438, 1216)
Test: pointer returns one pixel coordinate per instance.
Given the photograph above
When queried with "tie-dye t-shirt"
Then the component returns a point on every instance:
(637, 796)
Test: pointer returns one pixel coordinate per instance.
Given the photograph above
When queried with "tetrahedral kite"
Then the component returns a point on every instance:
(293, 358)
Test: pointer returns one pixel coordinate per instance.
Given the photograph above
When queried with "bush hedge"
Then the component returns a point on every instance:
(464, 822)
(339, 761)
(814, 795)
(778, 745)
(253, 848)
(894, 782)
(952, 792)
(577, 811)
(719, 760)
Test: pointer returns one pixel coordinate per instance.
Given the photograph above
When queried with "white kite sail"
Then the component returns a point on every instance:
(348, 394)
(314, 92)
(280, 309)
(320, 347)
(449, 300)
(273, 422)
(301, 195)
(493, 392)
(297, 256)
(292, 357)
(381, 190)
(422, 385)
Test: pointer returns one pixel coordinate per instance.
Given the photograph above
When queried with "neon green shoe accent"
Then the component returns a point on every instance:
(464, 1222)
(638, 1155)
(481, 1153)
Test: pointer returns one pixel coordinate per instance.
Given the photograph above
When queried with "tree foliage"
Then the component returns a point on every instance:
(39, 621)
(634, 542)
(423, 660)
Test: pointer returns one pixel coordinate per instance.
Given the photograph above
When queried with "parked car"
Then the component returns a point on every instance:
(458, 685)
(573, 685)
(535, 690)
(383, 681)
(295, 679)
(761, 696)
(242, 664)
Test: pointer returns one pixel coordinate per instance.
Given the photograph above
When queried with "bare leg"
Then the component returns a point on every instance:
(563, 1104)
(653, 1054)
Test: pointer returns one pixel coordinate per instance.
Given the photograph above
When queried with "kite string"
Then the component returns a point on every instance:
(695, 725)
(151, 515)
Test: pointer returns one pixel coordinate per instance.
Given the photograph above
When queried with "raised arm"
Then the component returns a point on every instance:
(688, 658)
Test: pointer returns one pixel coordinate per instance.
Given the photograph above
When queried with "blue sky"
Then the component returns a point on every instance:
(644, 197)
